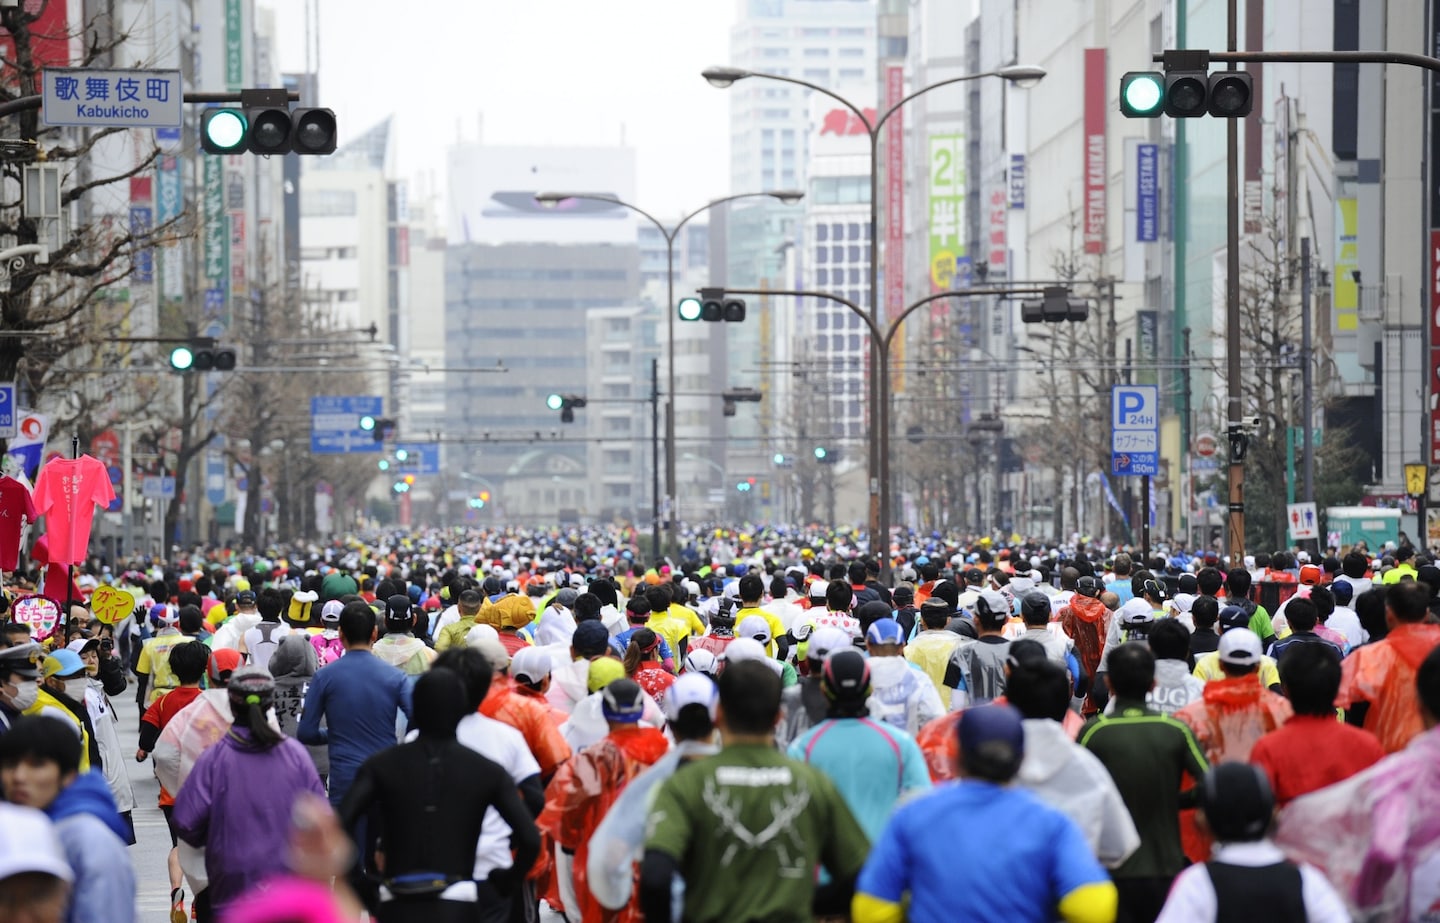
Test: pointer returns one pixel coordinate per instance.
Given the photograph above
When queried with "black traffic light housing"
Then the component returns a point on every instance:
(716, 307)
(384, 430)
(566, 404)
(1186, 93)
(267, 125)
(1054, 306)
(202, 355)
(1189, 90)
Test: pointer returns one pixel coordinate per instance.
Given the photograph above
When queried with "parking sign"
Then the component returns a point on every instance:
(8, 427)
(1135, 430)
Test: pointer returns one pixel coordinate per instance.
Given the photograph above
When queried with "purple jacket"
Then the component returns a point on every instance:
(236, 805)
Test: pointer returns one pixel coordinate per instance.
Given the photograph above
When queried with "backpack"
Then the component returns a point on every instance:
(261, 653)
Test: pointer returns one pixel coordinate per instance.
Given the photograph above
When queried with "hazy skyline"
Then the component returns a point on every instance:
(543, 72)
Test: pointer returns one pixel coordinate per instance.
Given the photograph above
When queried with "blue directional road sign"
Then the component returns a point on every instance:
(8, 418)
(1135, 430)
(335, 424)
(420, 458)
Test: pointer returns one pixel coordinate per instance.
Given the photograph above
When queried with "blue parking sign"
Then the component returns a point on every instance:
(8, 424)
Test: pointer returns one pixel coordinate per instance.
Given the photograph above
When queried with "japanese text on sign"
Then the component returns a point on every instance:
(126, 98)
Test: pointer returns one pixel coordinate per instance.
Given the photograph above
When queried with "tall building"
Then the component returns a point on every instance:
(618, 422)
(830, 43)
(520, 280)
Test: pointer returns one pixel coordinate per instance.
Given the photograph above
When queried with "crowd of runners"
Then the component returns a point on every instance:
(504, 726)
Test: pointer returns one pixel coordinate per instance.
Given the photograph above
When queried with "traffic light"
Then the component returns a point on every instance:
(1186, 89)
(714, 307)
(1142, 94)
(484, 496)
(744, 486)
(383, 429)
(401, 455)
(265, 124)
(1054, 306)
(409, 480)
(476, 503)
(689, 309)
(383, 464)
(193, 357)
(826, 455)
(367, 423)
(401, 487)
(566, 404)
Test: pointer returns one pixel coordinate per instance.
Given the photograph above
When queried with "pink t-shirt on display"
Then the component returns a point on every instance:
(15, 506)
(66, 494)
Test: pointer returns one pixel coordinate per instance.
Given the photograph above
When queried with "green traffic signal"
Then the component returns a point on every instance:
(821, 452)
(555, 402)
(367, 423)
(401, 455)
(182, 358)
(1142, 94)
(223, 131)
(690, 309)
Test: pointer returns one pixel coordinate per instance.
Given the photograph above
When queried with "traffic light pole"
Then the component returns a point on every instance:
(879, 438)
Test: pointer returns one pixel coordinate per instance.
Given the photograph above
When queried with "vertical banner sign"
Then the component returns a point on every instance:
(142, 258)
(216, 243)
(1147, 192)
(894, 196)
(894, 302)
(1147, 353)
(1434, 344)
(1345, 294)
(1094, 165)
(238, 287)
(997, 251)
(169, 203)
(946, 208)
(1017, 182)
(234, 44)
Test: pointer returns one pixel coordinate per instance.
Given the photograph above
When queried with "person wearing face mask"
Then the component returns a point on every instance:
(19, 681)
(105, 722)
(62, 695)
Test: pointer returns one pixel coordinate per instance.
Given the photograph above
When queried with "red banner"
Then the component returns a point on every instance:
(1094, 166)
(894, 195)
(1435, 347)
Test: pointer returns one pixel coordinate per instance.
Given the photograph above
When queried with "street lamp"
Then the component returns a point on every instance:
(1021, 75)
(671, 234)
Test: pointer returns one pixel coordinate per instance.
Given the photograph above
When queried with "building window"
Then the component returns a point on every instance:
(822, 276)
(817, 74)
(854, 251)
(617, 390)
(817, 52)
(854, 277)
(851, 73)
(328, 203)
(852, 230)
(822, 254)
(822, 232)
(822, 320)
(837, 254)
(852, 52)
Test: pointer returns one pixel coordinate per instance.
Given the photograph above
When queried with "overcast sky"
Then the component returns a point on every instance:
(548, 72)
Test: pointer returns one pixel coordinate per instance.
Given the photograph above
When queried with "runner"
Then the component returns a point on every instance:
(1377, 685)
(903, 696)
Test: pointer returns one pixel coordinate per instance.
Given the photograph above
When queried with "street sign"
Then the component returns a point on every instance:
(112, 98)
(335, 424)
(420, 458)
(1206, 445)
(1135, 430)
(9, 427)
(162, 488)
(1303, 521)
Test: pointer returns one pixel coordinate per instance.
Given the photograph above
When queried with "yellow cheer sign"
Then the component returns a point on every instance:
(111, 605)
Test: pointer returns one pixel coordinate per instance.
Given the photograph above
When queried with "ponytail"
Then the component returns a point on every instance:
(642, 642)
(251, 714)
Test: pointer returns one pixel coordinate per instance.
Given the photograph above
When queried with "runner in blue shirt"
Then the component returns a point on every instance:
(1036, 865)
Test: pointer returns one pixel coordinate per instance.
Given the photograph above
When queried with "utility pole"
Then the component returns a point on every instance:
(1234, 379)
(1307, 376)
(655, 456)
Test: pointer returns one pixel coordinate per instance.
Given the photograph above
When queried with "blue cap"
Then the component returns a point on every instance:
(992, 736)
(63, 662)
(622, 701)
(885, 631)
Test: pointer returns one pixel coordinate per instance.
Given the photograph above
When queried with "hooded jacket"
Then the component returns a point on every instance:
(902, 696)
(1072, 780)
(244, 831)
(94, 835)
(406, 652)
(293, 664)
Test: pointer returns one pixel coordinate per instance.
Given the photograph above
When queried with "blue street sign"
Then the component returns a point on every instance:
(335, 424)
(215, 477)
(1135, 430)
(8, 425)
(420, 458)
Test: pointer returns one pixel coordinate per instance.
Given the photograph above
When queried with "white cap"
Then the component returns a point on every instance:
(691, 689)
(29, 843)
(1136, 612)
(479, 633)
(826, 641)
(754, 626)
(530, 665)
(748, 649)
(1240, 647)
(699, 660)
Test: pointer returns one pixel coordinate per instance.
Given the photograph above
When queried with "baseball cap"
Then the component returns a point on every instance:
(701, 661)
(1233, 617)
(223, 663)
(161, 612)
(1238, 802)
(742, 649)
(1035, 603)
(590, 638)
(603, 671)
(1240, 647)
(691, 689)
(23, 660)
(885, 631)
(754, 626)
(330, 612)
(1089, 586)
(530, 665)
(81, 645)
(397, 608)
(479, 633)
(1136, 612)
(991, 608)
(992, 740)
(846, 676)
(245, 598)
(63, 662)
(1310, 574)
(623, 701)
(495, 653)
(825, 641)
(29, 843)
